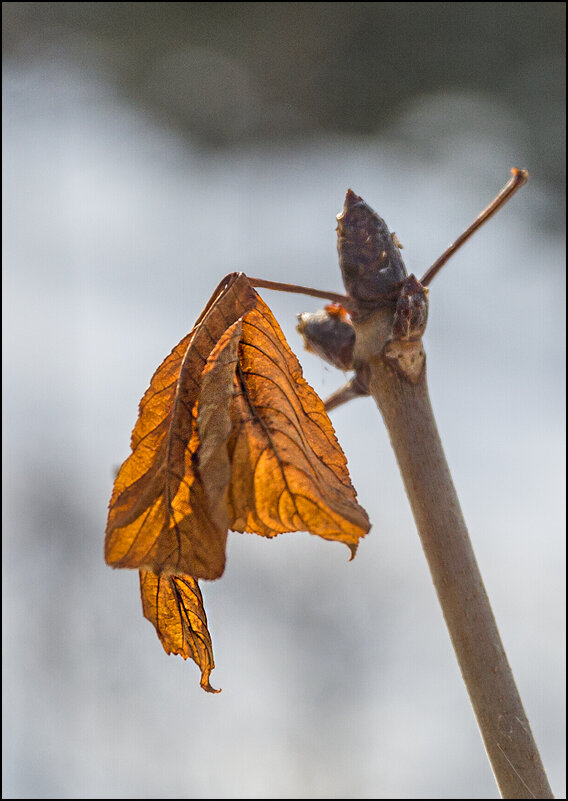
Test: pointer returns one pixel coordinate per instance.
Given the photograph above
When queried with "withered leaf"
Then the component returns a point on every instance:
(229, 435)
(175, 606)
(289, 473)
(159, 515)
(228, 411)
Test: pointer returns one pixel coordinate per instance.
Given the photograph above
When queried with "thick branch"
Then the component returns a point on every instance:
(407, 413)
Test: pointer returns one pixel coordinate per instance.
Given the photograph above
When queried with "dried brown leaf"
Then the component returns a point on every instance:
(175, 606)
(159, 515)
(229, 435)
(289, 472)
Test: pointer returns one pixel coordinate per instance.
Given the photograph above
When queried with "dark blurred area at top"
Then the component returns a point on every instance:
(226, 74)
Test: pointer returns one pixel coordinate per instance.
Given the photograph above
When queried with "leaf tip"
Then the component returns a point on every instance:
(353, 549)
(206, 686)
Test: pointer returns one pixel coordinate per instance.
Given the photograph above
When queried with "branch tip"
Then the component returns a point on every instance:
(518, 179)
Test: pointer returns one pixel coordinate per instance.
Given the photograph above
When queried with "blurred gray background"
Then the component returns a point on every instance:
(149, 149)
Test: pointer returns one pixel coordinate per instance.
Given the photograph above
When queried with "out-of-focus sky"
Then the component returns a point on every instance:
(149, 149)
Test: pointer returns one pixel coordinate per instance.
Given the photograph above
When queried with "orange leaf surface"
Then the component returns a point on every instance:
(175, 606)
(289, 472)
(229, 435)
(159, 516)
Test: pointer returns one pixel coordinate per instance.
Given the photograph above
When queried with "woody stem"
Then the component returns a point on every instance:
(409, 418)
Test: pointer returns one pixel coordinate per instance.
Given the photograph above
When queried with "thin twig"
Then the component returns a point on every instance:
(519, 178)
(355, 388)
(344, 300)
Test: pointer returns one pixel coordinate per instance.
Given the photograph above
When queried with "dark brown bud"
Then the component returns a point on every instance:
(329, 334)
(403, 350)
(411, 313)
(369, 258)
